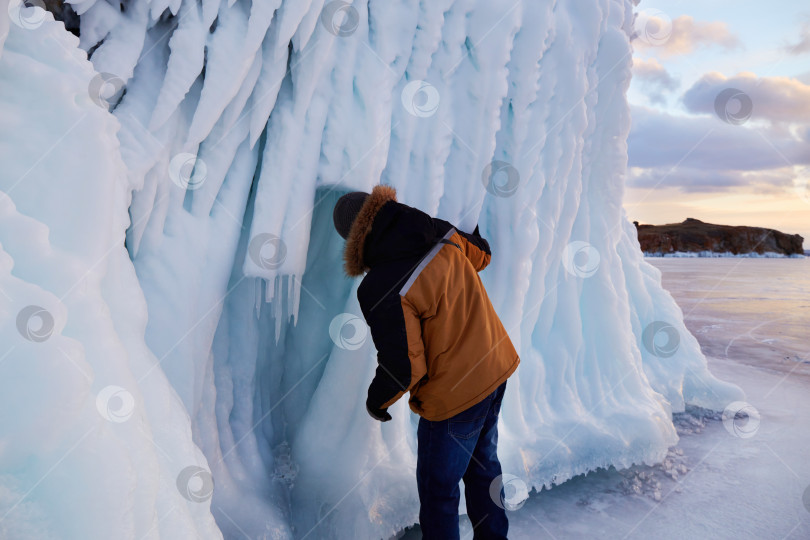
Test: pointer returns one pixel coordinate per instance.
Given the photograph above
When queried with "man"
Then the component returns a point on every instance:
(439, 338)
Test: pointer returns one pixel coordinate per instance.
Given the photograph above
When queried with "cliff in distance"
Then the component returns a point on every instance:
(693, 235)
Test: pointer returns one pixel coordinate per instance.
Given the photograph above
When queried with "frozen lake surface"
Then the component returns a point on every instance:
(722, 480)
(753, 311)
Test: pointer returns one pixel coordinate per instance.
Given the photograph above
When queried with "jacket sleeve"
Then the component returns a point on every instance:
(397, 333)
(475, 248)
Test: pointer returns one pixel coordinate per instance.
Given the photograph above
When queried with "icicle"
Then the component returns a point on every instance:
(257, 288)
(187, 46)
(278, 306)
(296, 298)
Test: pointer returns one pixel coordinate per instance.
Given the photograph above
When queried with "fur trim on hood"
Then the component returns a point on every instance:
(353, 252)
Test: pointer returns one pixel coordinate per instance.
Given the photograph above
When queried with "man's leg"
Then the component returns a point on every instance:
(443, 454)
(488, 518)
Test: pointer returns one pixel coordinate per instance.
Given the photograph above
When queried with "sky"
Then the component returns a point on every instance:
(720, 104)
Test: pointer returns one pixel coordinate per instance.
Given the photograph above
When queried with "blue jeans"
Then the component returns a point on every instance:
(462, 447)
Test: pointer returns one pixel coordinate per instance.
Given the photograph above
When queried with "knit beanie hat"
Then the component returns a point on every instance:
(346, 209)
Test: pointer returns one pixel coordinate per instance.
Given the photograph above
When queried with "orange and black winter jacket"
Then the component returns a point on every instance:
(437, 334)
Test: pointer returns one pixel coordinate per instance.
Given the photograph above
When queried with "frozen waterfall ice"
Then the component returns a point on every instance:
(180, 351)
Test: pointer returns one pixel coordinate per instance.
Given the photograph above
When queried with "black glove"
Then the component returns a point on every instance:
(378, 414)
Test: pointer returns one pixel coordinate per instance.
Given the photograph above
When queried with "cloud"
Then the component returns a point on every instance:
(654, 30)
(775, 99)
(654, 79)
(695, 180)
(661, 141)
(803, 45)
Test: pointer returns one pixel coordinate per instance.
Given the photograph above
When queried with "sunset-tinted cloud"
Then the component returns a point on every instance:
(705, 142)
(681, 35)
(775, 99)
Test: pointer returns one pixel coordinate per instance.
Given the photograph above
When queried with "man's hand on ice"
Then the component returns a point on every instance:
(378, 414)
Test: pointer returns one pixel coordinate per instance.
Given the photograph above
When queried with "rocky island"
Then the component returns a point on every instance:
(696, 238)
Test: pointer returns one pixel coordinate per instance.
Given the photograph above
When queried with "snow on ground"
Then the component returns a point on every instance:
(719, 486)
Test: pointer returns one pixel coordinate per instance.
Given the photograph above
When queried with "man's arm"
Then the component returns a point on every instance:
(397, 333)
(475, 248)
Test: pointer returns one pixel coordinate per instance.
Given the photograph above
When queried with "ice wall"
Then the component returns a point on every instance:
(240, 123)
(93, 438)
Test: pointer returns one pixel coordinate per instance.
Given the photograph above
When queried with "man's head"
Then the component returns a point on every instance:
(346, 209)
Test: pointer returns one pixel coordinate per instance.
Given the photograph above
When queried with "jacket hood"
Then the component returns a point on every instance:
(384, 230)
